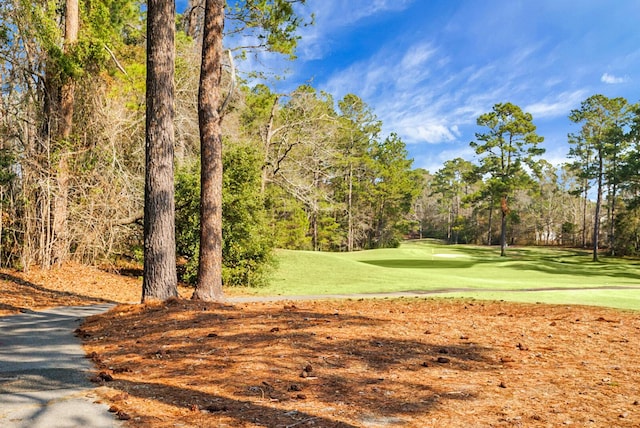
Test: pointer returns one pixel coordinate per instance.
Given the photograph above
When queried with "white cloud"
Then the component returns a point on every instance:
(556, 105)
(427, 132)
(345, 12)
(611, 79)
(417, 56)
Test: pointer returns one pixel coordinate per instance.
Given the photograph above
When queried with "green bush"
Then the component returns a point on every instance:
(247, 244)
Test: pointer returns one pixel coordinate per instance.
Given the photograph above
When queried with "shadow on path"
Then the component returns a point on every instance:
(44, 372)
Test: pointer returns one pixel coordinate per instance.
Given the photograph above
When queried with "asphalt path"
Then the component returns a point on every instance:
(44, 373)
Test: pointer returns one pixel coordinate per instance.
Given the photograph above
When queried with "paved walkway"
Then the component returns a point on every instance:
(44, 372)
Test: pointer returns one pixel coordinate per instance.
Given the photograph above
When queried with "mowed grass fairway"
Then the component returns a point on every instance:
(527, 274)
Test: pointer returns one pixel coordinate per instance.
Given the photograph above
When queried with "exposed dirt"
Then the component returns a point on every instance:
(409, 362)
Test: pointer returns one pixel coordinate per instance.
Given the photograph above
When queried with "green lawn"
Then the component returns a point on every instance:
(561, 275)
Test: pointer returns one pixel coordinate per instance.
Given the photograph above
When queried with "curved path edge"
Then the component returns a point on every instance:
(44, 373)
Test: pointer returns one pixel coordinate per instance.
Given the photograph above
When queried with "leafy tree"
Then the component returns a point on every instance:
(628, 225)
(160, 278)
(453, 182)
(395, 188)
(247, 239)
(630, 169)
(599, 147)
(302, 157)
(509, 145)
(582, 167)
(359, 129)
(545, 201)
(288, 220)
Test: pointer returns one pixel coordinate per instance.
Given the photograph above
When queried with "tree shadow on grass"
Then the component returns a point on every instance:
(586, 269)
(423, 263)
(570, 262)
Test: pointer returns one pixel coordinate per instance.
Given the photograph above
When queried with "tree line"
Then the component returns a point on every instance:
(590, 201)
(119, 123)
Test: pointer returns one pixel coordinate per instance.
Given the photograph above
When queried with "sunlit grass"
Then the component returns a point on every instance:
(561, 275)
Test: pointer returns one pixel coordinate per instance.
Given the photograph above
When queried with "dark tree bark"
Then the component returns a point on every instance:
(209, 285)
(160, 278)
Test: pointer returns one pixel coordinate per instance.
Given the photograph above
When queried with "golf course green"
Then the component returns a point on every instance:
(430, 268)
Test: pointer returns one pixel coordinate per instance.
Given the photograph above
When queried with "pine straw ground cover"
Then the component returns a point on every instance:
(347, 363)
(368, 363)
(72, 284)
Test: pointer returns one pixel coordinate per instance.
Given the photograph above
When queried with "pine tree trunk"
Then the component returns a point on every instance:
(209, 285)
(585, 199)
(490, 229)
(60, 234)
(596, 222)
(504, 209)
(612, 221)
(350, 210)
(160, 278)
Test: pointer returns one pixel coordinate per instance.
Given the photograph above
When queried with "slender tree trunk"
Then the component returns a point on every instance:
(454, 216)
(596, 222)
(585, 199)
(503, 226)
(193, 19)
(490, 230)
(349, 212)
(60, 247)
(314, 206)
(160, 278)
(209, 285)
(450, 224)
(267, 146)
(612, 221)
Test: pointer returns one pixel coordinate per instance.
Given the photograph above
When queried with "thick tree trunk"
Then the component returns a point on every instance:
(160, 278)
(209, 285)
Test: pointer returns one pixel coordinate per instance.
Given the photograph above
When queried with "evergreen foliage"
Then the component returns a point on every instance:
(246, 233)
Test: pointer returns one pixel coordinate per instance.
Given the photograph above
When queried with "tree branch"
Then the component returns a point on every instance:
(135, 218)
(113, 57)
(232, 85)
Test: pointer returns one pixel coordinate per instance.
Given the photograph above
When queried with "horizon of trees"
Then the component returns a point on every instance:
(301, 170)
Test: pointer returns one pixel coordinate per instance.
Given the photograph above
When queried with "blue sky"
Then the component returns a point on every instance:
(429, 68)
